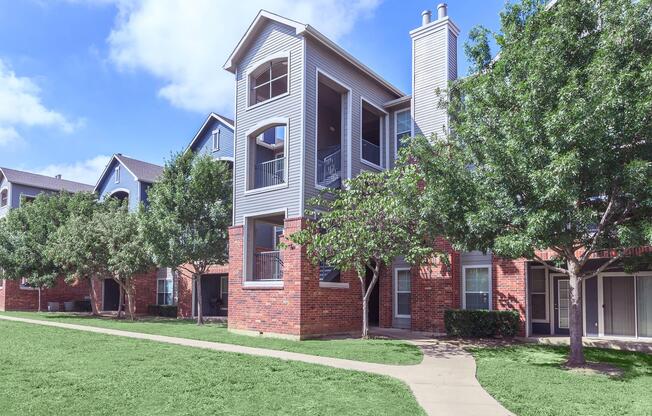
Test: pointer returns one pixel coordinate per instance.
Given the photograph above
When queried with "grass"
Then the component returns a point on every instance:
(53, 371)
(530, 380)
(382, 351)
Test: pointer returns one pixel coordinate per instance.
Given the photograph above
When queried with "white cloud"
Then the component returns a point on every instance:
(86, 171)
(186, 43)
(20, 105)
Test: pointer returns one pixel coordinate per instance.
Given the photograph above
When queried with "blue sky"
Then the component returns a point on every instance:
(83, 79)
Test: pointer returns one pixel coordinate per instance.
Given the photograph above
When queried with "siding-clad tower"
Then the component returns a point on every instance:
(434, 64)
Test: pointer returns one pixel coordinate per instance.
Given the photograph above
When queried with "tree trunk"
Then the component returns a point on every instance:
(366, 294)
(200, 312)
(93, 299)
(121, 300)
(39, 299)
(576, 357)
(365, 317)
(130, 303)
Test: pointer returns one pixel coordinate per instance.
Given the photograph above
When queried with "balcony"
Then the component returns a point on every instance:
(370, 152)
(269, 173)
(268, 266)
(329, 167)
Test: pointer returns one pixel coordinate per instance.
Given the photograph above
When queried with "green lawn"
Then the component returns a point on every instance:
(528, 380)
(372, 350)
(53, 371)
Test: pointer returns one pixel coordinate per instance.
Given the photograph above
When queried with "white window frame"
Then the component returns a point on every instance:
(24, 197)
(381, 140)
(215, 137)
(409, 132)
(477, 266)
(255, 130)
(23, 285)
(246, 272)
(255, 67)
(116, 174)
(546, 293)
(396, 292)
(5, 189)
(164, 279)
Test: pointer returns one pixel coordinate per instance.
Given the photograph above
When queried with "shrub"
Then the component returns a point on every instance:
(168, 311)
(479, 324)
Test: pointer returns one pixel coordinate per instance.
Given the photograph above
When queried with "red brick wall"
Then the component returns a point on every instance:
(15, 298)
(508, 281)
(2, 296)
(386, 290)
(144, 292)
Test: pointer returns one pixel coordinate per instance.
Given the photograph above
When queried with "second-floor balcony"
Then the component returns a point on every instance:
(268, 266)
(269, 173)
(370, 152)
(329, 167)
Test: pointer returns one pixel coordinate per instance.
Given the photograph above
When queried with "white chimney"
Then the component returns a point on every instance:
(434, 48)
(425, 17)
(442, 11)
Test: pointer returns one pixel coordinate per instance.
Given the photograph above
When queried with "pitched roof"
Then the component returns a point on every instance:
(143, 171)
(304, 30)
(212, 116)
(51, 183)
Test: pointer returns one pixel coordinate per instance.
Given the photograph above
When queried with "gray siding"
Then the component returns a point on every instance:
(18, 190)
(361, 86)
(273, 38)
(204, 144)
(392, 131)
(107, 185)
(474, 258)
(4, 184)
(431, 69)
(591, 306)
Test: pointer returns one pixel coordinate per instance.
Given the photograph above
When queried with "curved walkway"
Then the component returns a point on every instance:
(443, 383)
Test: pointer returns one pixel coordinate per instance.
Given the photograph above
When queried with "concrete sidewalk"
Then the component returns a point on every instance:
(443, 383)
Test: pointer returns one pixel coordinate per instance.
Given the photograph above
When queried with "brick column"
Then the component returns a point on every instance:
(508, 283)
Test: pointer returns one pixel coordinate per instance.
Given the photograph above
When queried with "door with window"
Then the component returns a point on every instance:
(402, 298)
(561, 289)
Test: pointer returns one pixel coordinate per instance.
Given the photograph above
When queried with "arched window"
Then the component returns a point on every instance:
(268, 81)
(4, 197)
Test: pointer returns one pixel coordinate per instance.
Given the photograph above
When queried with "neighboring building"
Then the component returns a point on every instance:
(127, 179)
(17, 188)
(215, 137)
(308, 116)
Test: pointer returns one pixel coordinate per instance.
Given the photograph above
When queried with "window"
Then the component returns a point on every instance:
(403, 128)
(538, 295)
(26, 199)
(216, 139)
(164, 291)
(268, 81)
(403, 293)
(25, 285)
(477, 287)
(4, 198)
(117, 174)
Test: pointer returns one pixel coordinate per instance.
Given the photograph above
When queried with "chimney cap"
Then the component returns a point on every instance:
(425, 17)
(442, 10)
(57, 176)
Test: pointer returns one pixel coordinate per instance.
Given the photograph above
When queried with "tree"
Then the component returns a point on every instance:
(109, 242)
(26, 232)
(367, 225)
(551, 142)
(186, 223)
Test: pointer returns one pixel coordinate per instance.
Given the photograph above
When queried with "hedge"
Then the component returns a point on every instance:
(168, 311)
(481, 324)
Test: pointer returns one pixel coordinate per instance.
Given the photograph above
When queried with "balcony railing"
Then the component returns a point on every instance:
(270, 173)
(268, 266)
(329, 169)
(370, 152)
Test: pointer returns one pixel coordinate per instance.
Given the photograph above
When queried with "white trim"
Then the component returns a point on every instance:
(234, 183)
(395, 292)
(165, 279)
(387, 139)
(302, 147)
(344, 138)
(23, 194)
(490, 289)
(116, 190)
(558, 293)
(395, 138)
(381, 127)
(334, 285)
(546, 293)
(116, 174)
(106, 168)
(8, 204)
(255, 130)
(225, 158)
(245, 240)
(262, 284)
(215, 139)
(255, 66)
(528, 323)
